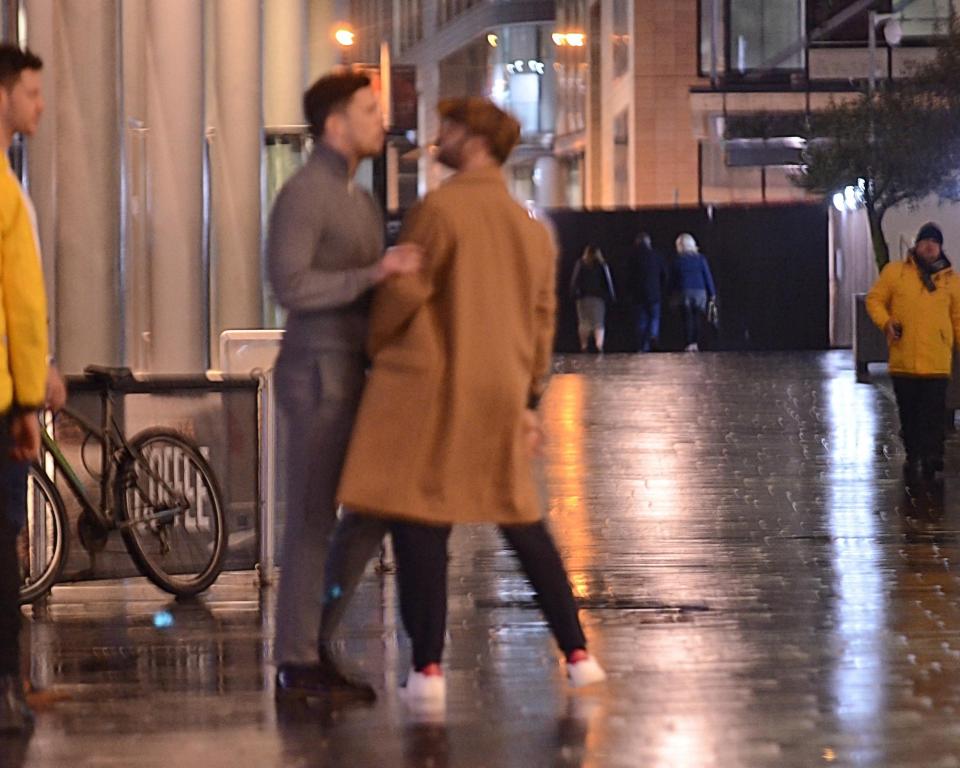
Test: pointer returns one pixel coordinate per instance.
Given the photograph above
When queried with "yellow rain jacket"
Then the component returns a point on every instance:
(930, 319)
(23, 321)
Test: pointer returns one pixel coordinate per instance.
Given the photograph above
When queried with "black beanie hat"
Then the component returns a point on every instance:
(930, 231)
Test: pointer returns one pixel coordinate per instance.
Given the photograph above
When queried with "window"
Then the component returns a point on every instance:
(765, 35)
(621, 38)
(711, 37)
(621, 159)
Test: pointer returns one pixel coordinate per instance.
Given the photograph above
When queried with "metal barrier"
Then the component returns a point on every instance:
(254, 353)
(220, 414)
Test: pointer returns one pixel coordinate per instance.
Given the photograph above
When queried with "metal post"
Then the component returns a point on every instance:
(872, 46)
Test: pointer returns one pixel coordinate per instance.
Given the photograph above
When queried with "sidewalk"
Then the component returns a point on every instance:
(752, 574)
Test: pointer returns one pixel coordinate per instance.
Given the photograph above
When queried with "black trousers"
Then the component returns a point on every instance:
(421, 552)
(693, 305)
(9, 598)
(922, 405)
(9, 564)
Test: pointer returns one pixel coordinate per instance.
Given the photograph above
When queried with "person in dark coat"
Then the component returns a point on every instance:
(691, 285)
(592, 288)
(647, 275)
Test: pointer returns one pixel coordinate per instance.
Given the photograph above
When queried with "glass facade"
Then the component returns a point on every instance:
(448, 10)
(523, 79)
(763, 35)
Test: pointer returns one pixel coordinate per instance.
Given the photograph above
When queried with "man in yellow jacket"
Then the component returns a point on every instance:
(23, 356)
(916, 303)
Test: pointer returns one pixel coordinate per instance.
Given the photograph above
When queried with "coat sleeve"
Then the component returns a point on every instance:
(25, 308)
(955, 311)
(546, 320)
(708, 277)
(398, 298)
(609, 279)
(293, 237)
(574, 281)
(879, 296)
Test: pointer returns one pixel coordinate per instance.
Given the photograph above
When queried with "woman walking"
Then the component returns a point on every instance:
(592, 288)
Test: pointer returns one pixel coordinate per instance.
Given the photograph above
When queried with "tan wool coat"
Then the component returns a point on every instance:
(459, 351)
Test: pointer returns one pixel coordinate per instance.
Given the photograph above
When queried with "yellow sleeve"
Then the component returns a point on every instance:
(879, 296)
(24, 307)
(398, 298)
(955, 309)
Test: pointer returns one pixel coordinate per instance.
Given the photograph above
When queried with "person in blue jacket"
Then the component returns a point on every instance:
(692, 287)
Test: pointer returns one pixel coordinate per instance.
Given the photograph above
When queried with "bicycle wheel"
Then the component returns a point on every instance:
(42, 544)
(170, 512)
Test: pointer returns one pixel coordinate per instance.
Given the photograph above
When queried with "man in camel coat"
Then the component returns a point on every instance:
(461, 353)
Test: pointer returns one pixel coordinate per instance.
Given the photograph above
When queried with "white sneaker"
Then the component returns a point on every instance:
(585, 672)
(426, 692)
(691, 348)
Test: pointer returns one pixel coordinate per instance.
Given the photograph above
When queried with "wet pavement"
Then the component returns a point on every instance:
(752, 574)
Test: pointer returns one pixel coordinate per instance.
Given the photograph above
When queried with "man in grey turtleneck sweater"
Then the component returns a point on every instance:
(325, 254)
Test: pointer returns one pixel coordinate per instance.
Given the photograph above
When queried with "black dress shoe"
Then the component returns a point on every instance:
(323, 680)
(15, 715)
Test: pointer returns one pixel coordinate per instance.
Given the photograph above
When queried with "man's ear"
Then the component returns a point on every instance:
(333, 126)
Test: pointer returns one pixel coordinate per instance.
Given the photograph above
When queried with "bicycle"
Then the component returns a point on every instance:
(156, 488)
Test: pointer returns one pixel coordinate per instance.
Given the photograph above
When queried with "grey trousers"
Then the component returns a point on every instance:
(318, 393)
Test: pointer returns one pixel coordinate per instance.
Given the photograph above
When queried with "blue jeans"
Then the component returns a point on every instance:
(647, 320)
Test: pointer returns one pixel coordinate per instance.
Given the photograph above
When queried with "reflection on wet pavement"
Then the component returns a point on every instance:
(752, 574)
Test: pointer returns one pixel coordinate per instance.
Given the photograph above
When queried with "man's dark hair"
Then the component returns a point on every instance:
(329, 94)
(13, 60)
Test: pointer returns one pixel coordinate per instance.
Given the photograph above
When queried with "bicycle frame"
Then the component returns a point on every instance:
(111, 441)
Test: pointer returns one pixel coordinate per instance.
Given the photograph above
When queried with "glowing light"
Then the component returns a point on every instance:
(573, 39)
(344, 36)
(163, 619)
(493, 40)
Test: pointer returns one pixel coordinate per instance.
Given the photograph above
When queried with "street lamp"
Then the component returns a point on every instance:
(892, 33)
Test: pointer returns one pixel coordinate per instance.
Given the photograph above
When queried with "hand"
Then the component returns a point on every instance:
(25, 431)
(56, 390)
(893, 330)
(404, 259)
(533, 436)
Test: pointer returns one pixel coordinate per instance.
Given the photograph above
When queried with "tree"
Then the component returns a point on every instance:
(900, 144)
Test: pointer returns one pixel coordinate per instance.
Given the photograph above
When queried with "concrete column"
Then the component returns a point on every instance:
(137, 296)
(549, 183)
(42, 148)
(234, 120)
(285, 24)
(431, 173)
(324, 54)
(88, 184)
(174, 56)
